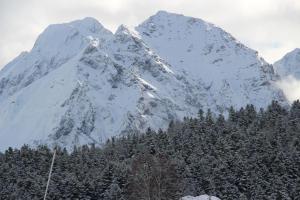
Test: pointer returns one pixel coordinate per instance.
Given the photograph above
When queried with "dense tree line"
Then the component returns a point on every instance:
(249, 154)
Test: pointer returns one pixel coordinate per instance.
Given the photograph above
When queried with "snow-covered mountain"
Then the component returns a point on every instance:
(201, 197)
(82, 84)
(288, 68)
(289, 65)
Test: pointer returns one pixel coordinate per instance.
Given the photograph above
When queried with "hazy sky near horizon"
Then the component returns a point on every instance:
(272, 27)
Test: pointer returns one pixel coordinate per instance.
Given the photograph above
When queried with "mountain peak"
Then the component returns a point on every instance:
(289, 64)
(166, 13)
(293, 55)
(169, 17)
(296, 51)
(88, 23)
(177, 37)
(86, 20)
(62, 41)
(62, 33)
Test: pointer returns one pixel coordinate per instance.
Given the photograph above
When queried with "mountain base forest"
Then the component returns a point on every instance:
(247, 154)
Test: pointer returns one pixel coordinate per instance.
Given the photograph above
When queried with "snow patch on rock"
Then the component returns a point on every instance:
(201, 197)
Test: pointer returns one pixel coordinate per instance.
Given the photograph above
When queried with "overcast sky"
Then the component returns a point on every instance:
(270, 26)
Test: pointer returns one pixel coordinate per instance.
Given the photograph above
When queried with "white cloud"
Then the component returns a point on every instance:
(269, 26)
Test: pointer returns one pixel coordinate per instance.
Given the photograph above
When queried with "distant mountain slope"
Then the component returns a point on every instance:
(82, 84)
(289, 64)
(288, 68)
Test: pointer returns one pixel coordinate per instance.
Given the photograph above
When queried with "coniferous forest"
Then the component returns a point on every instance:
(249, 154)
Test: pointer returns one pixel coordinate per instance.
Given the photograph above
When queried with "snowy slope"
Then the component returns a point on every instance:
(83, 84)
(289, 64)
(201, 197)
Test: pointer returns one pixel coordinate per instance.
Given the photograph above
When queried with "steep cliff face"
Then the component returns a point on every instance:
(82, 84)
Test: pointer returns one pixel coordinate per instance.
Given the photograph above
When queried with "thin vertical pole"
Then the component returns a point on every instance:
(50, 173)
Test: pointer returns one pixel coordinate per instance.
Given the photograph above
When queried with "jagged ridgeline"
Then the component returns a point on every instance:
(82, 84)
(249, 155)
